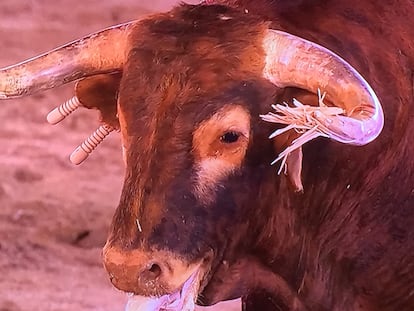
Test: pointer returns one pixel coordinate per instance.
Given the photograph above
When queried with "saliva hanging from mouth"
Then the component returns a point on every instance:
(181, 300)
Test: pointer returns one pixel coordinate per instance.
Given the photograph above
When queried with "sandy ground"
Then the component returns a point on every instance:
(54, 216)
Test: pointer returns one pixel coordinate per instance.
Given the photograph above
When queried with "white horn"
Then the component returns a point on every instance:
(293, 61)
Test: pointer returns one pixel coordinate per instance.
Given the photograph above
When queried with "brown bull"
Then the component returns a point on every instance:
(203, 217)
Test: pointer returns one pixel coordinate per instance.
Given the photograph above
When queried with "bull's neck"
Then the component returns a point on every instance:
(306, 238)
(278, 237)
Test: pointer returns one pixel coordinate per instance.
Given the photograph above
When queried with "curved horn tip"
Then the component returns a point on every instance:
(297, 62)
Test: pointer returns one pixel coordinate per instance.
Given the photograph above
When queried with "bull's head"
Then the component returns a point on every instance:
(186, 89)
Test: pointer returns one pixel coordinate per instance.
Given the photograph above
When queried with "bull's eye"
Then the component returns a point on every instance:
(230, 137)
(220, 144)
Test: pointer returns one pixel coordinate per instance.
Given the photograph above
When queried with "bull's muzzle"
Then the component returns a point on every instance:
(146, 273)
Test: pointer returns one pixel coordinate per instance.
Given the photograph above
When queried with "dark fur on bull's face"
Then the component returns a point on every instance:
(195, 149)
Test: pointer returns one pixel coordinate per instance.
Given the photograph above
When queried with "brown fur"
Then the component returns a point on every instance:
(215, 159)
(346, 243)
(101, 92)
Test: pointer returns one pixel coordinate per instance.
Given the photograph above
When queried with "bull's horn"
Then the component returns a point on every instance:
(101, 52)
(293, 61)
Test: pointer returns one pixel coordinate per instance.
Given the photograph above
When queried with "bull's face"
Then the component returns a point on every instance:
(187, 134)
(188, 187)
(187, 93)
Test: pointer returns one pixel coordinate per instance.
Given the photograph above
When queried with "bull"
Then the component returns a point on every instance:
(202, 216)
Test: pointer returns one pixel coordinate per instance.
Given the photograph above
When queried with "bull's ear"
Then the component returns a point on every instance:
(98, 92)
(101, 92)
(292, 167)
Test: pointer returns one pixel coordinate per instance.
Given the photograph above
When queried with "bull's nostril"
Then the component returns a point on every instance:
(155, 269)
(152, 272)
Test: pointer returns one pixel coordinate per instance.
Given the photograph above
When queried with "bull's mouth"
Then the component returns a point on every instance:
(181, 300)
